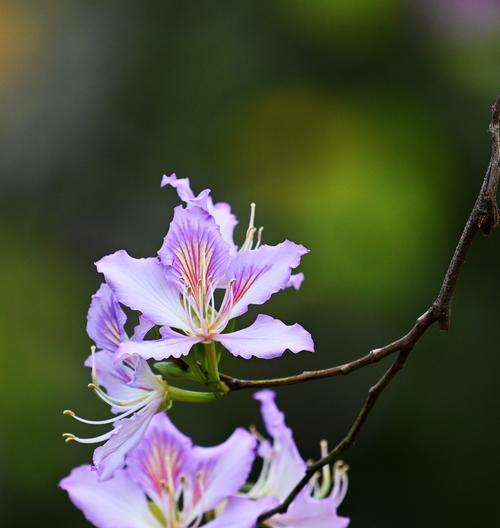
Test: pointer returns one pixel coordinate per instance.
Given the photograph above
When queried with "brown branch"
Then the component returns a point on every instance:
(483, 217)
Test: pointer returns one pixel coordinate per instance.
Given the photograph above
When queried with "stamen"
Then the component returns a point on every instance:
(341, 482)
(70, 437)
(114, 418)
(326, 481)
(259, 236)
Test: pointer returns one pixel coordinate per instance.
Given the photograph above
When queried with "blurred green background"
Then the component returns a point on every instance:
(360, 129)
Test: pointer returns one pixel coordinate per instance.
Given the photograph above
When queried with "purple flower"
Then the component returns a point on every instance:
(283, 467)
(198, 261)
(170, 483)
(134, 393)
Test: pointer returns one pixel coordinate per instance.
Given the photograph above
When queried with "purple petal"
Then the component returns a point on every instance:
(173, 344)
(296, 281)
(114, 376)
(287, 466)
(142, 328)
(116, 503)
(126, 436)
(222, 470)
(143, 285)
(242, 513)
(266, 338)
(225, 219)
(106, 320)
(182, 186)
(260, 272)
(306, 511)
(221, 211)
(194, 248)
(162, 457)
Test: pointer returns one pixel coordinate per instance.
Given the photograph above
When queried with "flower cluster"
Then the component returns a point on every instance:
(186, 301)
(168, 482)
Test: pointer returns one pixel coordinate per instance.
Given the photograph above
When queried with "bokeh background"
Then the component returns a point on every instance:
(360, 129)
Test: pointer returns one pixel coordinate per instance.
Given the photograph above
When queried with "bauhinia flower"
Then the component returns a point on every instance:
(169, 483)
(283, 467)
(134, 393)
(200, 282)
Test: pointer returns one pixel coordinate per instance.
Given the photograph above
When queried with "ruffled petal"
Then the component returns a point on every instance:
(161, 458)
(126, 436)
(221, 471)
(116, 503)
(195, 249)
(142, 284)
(181, 185)
(258, 273)
(221, 211)
(266, 338)
(306, 511)
(172, 344)
(106, 320)
(242, 513)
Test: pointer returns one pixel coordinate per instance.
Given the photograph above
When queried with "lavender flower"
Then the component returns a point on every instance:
(170, 483)
(134, 393)
(283, 467)
(198, 258)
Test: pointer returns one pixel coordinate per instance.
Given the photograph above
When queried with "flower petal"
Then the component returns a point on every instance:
(221, 470)
(172, 344)
(258, 273)
(115, 377)
(182, 186)
(286, 465)
(296, 281)
(106, 320)
(194, 248)
(117, 502)
(126, 436)
(266, 338)
(306, 511)
(242, 513)
(220, 211)
(161, 458)
(142, 284)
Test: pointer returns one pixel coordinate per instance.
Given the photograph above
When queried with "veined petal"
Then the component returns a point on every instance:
(221, 471)
(260, 272)
(242, 513)
(306, 511)
(142, 284)
(266, 338)
(126, 436)
(195, 249)
(161, 458)
(116, 503)
(106, 320)
(172, 344)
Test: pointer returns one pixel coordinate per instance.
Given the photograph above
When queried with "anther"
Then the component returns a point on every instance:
(68, 412)
(92, 386)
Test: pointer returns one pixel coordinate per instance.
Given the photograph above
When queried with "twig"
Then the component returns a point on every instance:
(483, 217)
